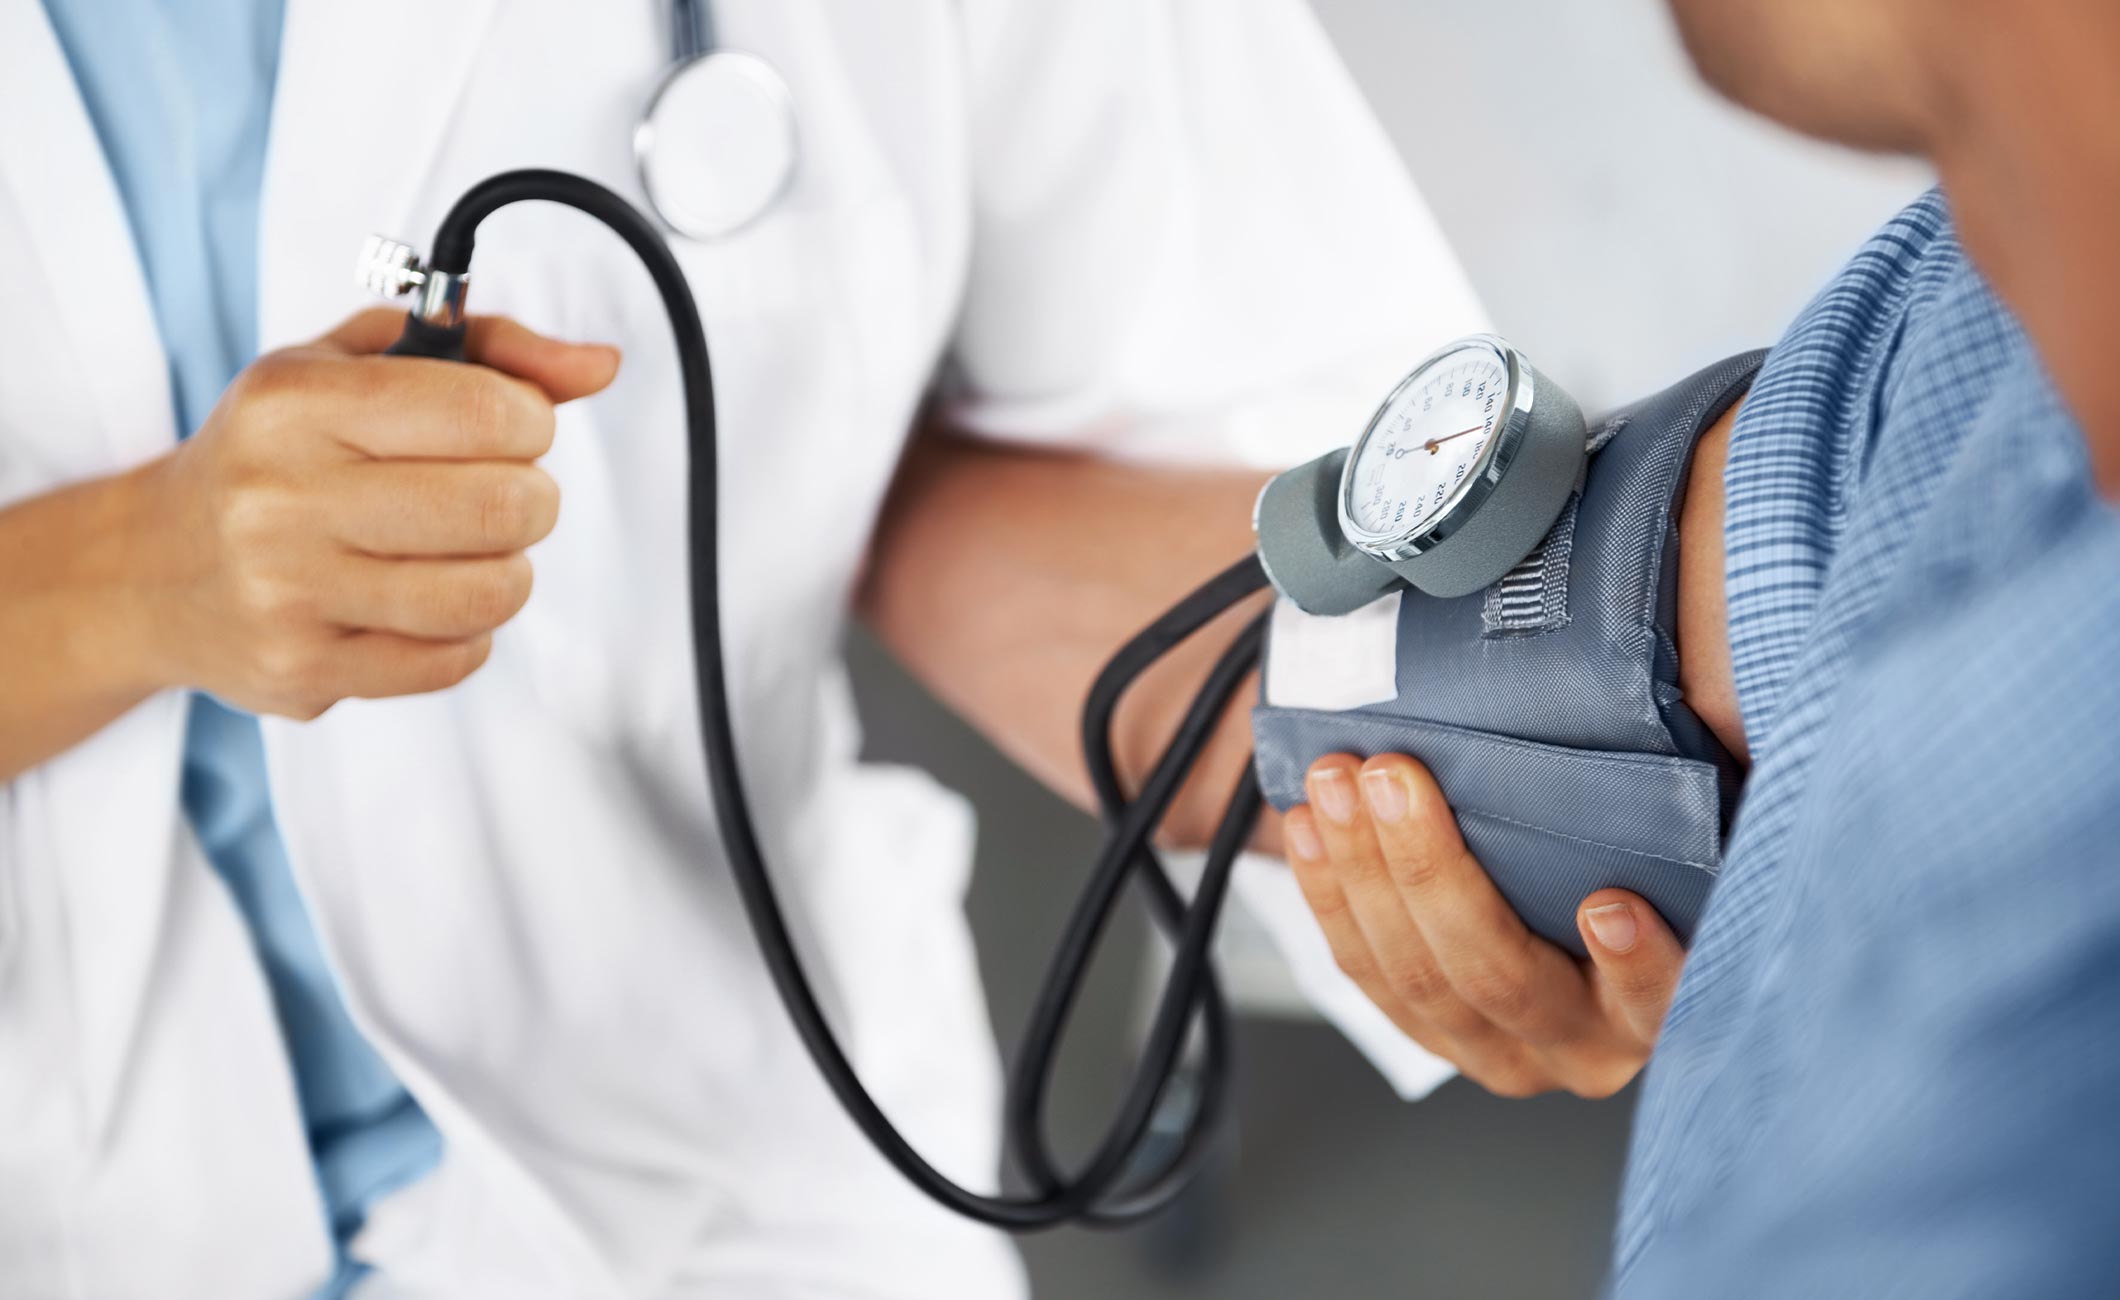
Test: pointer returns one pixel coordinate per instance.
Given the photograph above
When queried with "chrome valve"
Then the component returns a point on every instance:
(390, 269)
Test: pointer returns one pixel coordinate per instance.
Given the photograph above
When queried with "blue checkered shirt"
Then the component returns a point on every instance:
(1891, 1066)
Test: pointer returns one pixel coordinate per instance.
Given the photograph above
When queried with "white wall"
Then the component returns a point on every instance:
(1624, 224)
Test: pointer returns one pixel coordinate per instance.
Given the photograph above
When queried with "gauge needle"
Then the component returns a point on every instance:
(1433, 445)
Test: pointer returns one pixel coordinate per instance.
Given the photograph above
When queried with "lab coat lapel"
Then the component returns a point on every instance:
(352, 132)
(115, 868)
(52, 169)
(366, 93)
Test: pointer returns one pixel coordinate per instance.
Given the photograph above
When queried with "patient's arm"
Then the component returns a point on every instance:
(1704, 672)
(1003, 578)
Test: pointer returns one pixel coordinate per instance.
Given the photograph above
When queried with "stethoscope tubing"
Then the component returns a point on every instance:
(1112, 1188)
(691, 29)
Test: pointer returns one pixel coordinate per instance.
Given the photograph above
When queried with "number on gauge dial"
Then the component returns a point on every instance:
(1428, 443)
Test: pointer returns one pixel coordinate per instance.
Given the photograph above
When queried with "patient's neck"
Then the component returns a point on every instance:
(2027, 140)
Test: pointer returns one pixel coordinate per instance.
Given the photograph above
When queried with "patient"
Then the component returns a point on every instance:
(1890, 1062)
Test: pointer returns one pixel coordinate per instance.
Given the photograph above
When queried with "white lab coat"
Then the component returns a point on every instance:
(1166, 229)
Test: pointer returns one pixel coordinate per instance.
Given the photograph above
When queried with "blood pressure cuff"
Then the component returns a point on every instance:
(1547, 706)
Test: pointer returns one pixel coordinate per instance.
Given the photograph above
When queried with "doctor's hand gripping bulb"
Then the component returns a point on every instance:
(1131, 1174)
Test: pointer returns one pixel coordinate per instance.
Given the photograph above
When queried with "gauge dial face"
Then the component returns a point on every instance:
(1432, 438)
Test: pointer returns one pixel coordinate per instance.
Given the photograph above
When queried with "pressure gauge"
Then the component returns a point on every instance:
(1457, 477)
(1463, 468)
(1432, 452)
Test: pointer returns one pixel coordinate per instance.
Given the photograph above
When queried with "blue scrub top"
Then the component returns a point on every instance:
(180, 92)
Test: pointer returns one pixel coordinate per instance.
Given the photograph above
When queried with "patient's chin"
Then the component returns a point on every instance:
(1825, 68)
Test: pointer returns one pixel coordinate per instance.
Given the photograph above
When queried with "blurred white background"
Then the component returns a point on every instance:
(1624, 224)
(1624, 227)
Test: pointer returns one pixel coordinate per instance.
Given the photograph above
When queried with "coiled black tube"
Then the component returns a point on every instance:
(1110, 1188)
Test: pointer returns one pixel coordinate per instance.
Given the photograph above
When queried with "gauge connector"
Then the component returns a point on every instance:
(389, 268)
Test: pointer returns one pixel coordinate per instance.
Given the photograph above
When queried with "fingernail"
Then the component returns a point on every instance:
(1387, 798)
(1332, 792)
(1303, 838)
(1613, 924)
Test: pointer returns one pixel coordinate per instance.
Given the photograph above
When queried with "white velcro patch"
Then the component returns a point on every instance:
(1343, 662)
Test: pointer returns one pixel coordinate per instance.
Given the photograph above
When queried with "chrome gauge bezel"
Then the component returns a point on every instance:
(1465, 501)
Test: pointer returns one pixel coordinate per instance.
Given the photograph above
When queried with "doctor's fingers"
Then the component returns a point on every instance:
(1386, 953)
(415, 508)
(390, 407)
(379, 665)
(302, 680)
(1318, 876)
(1399, 977)
(432, 600)
(563, 370)
(1517, 980)
(1635, 960)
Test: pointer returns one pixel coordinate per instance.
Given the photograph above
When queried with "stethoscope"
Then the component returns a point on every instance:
(716, 142)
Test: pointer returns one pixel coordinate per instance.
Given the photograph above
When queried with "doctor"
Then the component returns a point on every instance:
(316, 977)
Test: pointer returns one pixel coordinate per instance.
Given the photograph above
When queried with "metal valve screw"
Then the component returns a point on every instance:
(389, 269)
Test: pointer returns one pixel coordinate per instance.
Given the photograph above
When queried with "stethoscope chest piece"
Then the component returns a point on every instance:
(716, 146)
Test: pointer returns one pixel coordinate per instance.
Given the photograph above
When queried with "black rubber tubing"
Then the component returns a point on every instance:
(1109, 1189)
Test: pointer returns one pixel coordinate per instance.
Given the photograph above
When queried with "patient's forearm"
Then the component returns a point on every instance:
(1005, 578)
